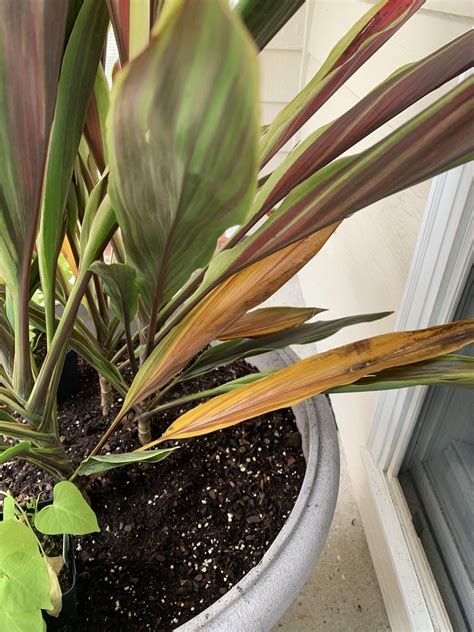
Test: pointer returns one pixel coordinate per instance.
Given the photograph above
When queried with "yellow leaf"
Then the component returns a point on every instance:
(218, 310)
(223, 306)
(54, 566)
(67, 252)
(317, 374)
(268, 320)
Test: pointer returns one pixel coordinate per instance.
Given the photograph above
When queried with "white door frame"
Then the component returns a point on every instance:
(440, 267)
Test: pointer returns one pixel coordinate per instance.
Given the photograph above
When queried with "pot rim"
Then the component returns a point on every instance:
(259, 599)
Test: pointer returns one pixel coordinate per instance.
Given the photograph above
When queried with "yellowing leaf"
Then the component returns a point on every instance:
(268, 320)
(54, 566)
(343, 365)
(221, 307)
(67, 252)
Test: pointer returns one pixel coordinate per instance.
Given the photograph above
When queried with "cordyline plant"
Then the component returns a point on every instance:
(156, 170)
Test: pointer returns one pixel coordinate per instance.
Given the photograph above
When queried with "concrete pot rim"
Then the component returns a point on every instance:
(259, 599)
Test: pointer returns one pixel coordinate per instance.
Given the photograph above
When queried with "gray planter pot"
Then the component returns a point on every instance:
(258, 601)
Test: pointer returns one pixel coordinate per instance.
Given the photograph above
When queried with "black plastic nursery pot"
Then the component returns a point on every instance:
(68, 614)
(69, 381)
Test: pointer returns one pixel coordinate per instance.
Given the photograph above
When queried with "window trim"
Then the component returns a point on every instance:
(440, 268)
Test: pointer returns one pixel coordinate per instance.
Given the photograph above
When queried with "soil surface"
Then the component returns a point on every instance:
(177, 535)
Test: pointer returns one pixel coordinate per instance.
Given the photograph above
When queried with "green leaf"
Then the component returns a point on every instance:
(69, 513)
(121, 286)
(22, 621)
(182, 143)
(100, 464)
(78, 73)
(24, 581)
(264, 18)
(16, 450)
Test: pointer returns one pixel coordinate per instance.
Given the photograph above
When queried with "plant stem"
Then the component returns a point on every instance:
(144, 431)
(130, 349)
(106, 396)
(22, 375)
(60, 339)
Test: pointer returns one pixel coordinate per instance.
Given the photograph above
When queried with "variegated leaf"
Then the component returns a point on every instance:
(437, 139)
(223, 306)
(232, 350)
(131, 20)
(447, 370)
(87, 347)
(102, 228)
(378, 25)
(121, 286)
(182, 135)
(205, 319)
(94, 128)
(31, 45)
(78, 73)
(392, 96)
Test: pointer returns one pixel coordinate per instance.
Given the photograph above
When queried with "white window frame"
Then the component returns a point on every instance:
(440, 267)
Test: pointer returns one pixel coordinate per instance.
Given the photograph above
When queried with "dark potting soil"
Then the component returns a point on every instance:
(178, 535)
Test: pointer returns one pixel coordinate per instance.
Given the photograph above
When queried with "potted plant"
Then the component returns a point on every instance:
(119, 201)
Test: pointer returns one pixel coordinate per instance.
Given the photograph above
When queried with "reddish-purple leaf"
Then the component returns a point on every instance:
(32, 38)
(437, 139)
(365, 38)
(388, 99)
(119, 11)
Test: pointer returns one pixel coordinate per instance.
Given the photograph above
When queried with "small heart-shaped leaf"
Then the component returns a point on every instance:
(69, 513)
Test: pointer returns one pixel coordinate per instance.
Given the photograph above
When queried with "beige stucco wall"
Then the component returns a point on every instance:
(365, 265)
